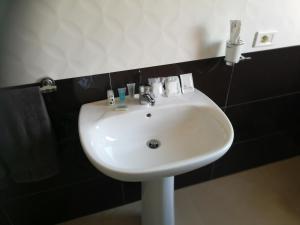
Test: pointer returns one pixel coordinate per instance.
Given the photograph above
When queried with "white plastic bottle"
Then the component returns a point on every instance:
(110, 97)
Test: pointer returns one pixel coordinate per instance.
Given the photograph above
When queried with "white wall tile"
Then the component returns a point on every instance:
(70, 38)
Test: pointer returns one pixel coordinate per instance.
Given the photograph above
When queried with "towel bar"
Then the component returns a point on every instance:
(48, 85)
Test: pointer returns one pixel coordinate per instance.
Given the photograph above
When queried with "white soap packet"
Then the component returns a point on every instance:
(153, 80)
(172, 86)
(156, 86)
(187, 83)
(157, 89)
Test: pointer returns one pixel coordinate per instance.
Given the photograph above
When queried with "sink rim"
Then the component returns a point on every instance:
(171, 168)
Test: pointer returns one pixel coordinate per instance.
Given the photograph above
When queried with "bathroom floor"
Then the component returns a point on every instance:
(268, 195)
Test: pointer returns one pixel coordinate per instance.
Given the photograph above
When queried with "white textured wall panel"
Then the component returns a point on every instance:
(69, 38)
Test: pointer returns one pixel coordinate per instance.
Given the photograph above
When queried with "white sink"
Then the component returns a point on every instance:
(192, 132)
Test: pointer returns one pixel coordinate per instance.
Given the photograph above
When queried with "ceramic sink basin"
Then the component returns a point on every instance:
(187, 132)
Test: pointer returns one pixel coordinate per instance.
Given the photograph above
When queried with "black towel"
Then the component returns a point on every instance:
(27, 144)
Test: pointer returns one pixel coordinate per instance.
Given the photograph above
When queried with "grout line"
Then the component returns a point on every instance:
(262, 99)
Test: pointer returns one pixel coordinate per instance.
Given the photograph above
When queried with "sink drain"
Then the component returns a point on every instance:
(153, 143)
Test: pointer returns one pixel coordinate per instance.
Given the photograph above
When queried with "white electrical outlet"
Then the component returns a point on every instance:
(262, 39)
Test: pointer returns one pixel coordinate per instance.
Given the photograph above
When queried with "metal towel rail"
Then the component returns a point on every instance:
(48, 85)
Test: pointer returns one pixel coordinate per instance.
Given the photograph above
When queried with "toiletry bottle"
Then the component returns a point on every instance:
(110, 97)
(147, 89)
(141, 91)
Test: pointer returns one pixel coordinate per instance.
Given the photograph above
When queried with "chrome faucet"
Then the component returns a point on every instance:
(146, 98)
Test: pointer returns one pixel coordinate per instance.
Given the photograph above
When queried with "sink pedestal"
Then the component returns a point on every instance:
(158, 201)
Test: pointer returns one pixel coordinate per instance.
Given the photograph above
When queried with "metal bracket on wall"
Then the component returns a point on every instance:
(48, 85)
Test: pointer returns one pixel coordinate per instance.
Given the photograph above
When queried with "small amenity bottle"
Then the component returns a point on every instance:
(110, 97)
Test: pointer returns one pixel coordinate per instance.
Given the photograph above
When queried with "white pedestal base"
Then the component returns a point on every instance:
(158, 202)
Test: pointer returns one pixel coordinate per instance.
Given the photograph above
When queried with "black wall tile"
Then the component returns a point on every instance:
(72, 93)
(250, 154)
(74, 169)
(4, 220)
(161, 71)
(239, 157)
(264, 117)
(121, 79)
(194, 177)
(211, 76)
(267, 74)
(280, 147)
(132, 191)
(64, 204)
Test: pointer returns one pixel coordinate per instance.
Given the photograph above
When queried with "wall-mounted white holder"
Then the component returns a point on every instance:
(233, 53)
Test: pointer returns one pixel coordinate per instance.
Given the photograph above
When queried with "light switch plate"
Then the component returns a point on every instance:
(262, 39)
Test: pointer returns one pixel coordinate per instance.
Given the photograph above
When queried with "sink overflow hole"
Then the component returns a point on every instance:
(153, 143)
(148, 115)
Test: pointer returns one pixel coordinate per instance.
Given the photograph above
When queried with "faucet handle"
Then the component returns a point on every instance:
(149, 98)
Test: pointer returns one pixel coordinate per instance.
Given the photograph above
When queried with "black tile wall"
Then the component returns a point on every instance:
(240, 157)
(263, 106)
(132, 191)
(74, 168)
(211, 76)
(51, 207)
(120, 79)
(194, 177)
(4, 220)
(205, 73)
(256, 152)
(264, 117)
(267, 74)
